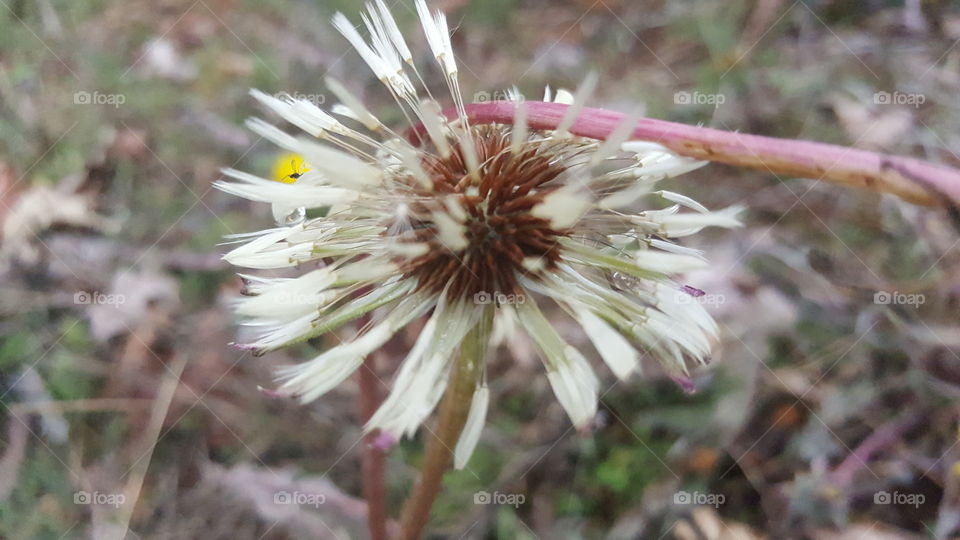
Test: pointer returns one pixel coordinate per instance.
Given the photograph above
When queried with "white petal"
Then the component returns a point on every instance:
(564, 207)
(686, 224)
(269, 250)
(377, 65)
(339, 167)
(674, 248)
(668, 168)
(569, 387)
(519, 134)
(668, 263)
(574, 383)
(449, 61)
(314, 124)
(504, 325)
(643, 147)
(564, 96)
(395, 35)
(615, 350)
(584, 91)
(613, 142)
(625, 197)
(289, 298)
(450, 232)
(422, 378)
(433, 121)
(683, 200)
(438, 37)
(312, 379)
(351, 102)
(272, 133)
(469, 150)
(286, 195)
(470, 435)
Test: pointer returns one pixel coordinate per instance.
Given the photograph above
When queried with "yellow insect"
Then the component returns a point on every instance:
(288, 168)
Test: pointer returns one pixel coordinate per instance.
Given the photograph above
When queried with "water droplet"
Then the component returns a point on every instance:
(286, 216)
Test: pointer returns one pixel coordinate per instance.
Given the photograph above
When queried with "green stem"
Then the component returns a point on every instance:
(454, 408)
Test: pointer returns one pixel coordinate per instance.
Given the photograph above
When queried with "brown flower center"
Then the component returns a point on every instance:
(499, 228)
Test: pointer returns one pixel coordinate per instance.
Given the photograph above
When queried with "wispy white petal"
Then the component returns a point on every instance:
(312, 379)
(423, 376)
(584, 91)
(351, 102)
(574, 383)
(470, 435)
(564, 207)
(622, 358)
(682, 200)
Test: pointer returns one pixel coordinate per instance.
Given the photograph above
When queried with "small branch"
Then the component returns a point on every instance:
(453, 415)
(911, 179)
(151, 435)
(372, 466)
(885, 436)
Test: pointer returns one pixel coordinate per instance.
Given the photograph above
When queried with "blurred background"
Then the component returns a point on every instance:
(829, 411)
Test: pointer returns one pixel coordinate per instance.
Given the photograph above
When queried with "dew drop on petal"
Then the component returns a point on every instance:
(286, 216)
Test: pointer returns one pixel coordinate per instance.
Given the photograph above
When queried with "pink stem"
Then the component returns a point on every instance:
(885, 436)
(373, 462)
(912, 179)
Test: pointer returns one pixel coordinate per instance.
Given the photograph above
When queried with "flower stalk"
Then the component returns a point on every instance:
(465, 377)
(913, 180)
(373, 461)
